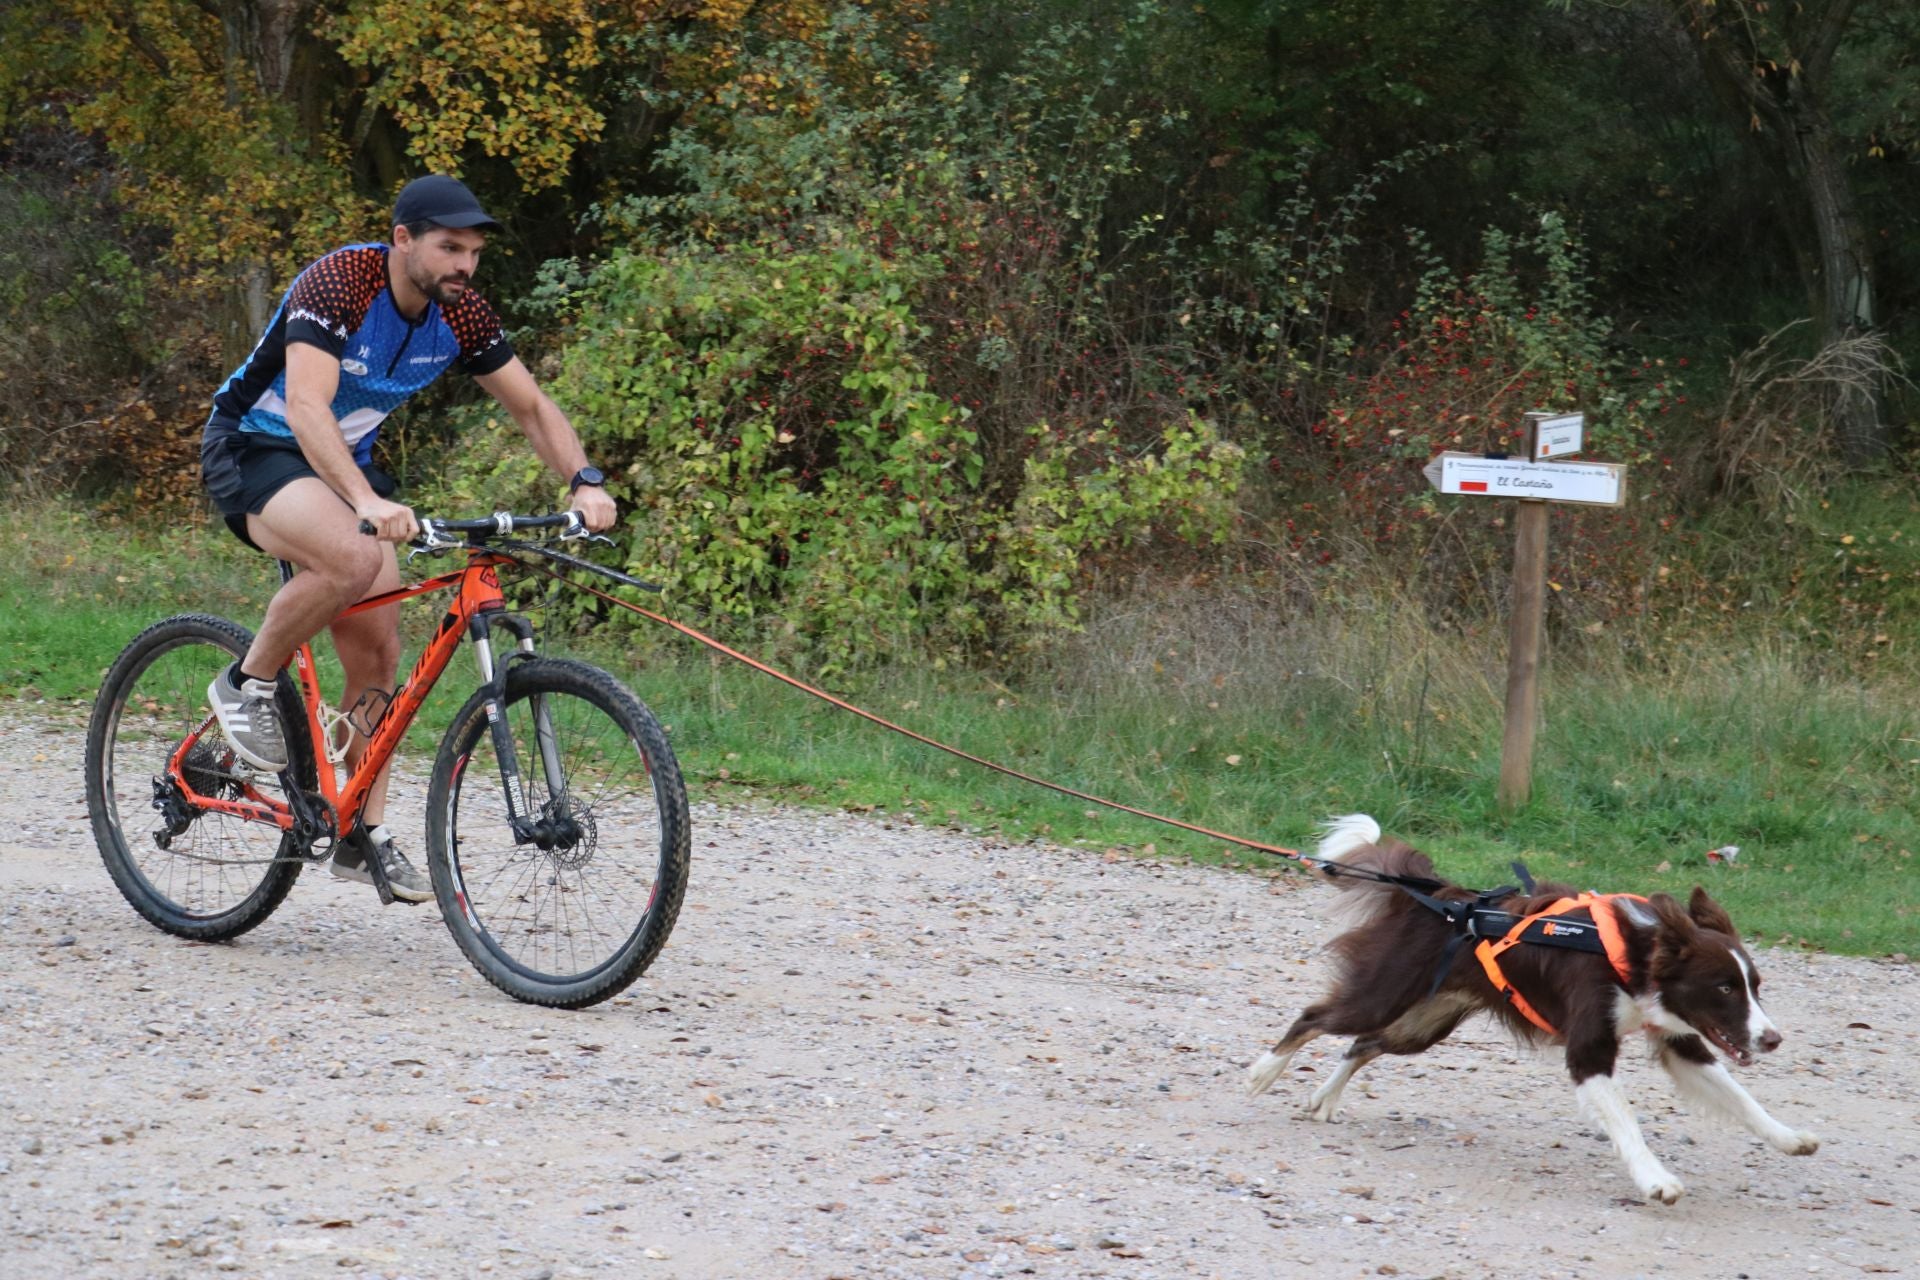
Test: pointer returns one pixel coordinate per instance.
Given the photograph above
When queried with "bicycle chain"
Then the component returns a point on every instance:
(166, 794)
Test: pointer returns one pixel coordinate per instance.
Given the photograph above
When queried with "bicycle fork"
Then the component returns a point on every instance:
(554, 826)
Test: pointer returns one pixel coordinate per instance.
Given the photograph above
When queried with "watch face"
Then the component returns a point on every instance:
(589, 475)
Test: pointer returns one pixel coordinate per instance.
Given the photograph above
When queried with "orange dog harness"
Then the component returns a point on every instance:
(1550, 925)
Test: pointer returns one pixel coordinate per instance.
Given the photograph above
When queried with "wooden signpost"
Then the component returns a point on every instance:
(1534, 484)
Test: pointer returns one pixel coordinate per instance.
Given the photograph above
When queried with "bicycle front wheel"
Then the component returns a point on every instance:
(196, 873)
(575, 916)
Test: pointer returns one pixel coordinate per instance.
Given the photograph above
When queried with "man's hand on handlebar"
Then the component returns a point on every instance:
(387, 521)
(595, 507)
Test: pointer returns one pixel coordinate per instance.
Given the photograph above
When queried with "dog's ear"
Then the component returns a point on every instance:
(1675, 933)
(1709, 914)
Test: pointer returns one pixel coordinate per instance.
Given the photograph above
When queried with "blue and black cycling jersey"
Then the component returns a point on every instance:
(342, 304)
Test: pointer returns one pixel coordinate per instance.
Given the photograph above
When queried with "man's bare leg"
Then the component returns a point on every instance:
(308, 525)
(368, 645)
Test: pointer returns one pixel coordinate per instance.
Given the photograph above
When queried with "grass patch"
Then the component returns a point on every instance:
(1222, 711)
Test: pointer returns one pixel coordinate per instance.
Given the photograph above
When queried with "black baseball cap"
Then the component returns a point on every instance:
(443, 201)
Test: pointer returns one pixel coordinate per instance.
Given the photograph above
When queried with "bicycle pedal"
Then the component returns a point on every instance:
(378, 874)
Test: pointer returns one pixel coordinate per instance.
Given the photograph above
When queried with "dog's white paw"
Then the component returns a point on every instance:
(1262, 1074)
(1797, 1142)
(1322, 1109)
(1666, 1190)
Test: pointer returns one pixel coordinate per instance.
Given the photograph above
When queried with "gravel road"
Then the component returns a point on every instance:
(872, 1048)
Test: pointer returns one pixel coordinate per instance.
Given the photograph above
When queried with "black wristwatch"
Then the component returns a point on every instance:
(586, 475)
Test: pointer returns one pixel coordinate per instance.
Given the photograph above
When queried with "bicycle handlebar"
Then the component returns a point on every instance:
(445, 535)
(435, 533)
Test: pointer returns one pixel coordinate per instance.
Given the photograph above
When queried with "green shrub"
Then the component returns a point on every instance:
(851, 376)
(783, 457)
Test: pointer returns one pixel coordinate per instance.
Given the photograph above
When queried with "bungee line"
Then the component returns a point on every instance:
(719, 647)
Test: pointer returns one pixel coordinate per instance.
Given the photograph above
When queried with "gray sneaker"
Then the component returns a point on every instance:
(247, 716)
(409, 883)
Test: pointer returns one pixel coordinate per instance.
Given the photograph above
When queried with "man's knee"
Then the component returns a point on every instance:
(375, 665)
(369, 559)
(352, 568)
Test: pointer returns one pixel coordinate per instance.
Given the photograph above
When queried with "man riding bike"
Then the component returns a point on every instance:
(287, 457)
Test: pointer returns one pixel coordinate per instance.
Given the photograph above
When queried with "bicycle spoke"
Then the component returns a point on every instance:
(193, 871)
(580, 910)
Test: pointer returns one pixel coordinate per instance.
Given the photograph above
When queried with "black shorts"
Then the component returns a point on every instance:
(243, 470)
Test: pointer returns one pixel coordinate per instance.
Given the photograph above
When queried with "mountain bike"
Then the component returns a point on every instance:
(557, 827)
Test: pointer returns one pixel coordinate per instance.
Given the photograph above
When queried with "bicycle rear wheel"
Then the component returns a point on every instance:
(569, 925)
(196, 873)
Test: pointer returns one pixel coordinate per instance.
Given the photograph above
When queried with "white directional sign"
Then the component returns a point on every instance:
(1597, 483)
(1557, 437)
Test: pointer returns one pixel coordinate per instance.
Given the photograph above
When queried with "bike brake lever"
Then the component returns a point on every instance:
(433, 536)
(432, 540)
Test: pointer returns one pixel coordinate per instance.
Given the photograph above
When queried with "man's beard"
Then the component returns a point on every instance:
(437, 288)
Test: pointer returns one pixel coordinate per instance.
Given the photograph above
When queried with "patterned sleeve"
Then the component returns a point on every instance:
(330, 298)
(484, 347)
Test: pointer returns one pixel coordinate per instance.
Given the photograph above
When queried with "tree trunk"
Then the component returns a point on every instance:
(264, 37)
(263, 43)
(1845, 286)
(1779, 95)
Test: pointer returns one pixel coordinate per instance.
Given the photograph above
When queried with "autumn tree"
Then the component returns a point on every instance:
(256, 133)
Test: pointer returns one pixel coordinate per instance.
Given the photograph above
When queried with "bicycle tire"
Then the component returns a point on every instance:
(500, 898)
(221, 875)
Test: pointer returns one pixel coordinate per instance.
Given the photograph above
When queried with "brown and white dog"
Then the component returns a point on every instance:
(1687, 984)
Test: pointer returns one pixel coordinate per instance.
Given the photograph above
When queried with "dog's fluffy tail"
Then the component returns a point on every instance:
(1354, 841)
(1342, 837)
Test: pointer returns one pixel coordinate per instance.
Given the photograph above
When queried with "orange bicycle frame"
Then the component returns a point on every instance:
(477, 595)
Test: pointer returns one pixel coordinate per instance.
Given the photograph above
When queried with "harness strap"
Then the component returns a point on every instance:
(1546, 926)
(1467, 916)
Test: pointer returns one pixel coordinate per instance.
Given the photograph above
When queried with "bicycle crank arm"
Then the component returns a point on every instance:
(381, 885)
(312, 821)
